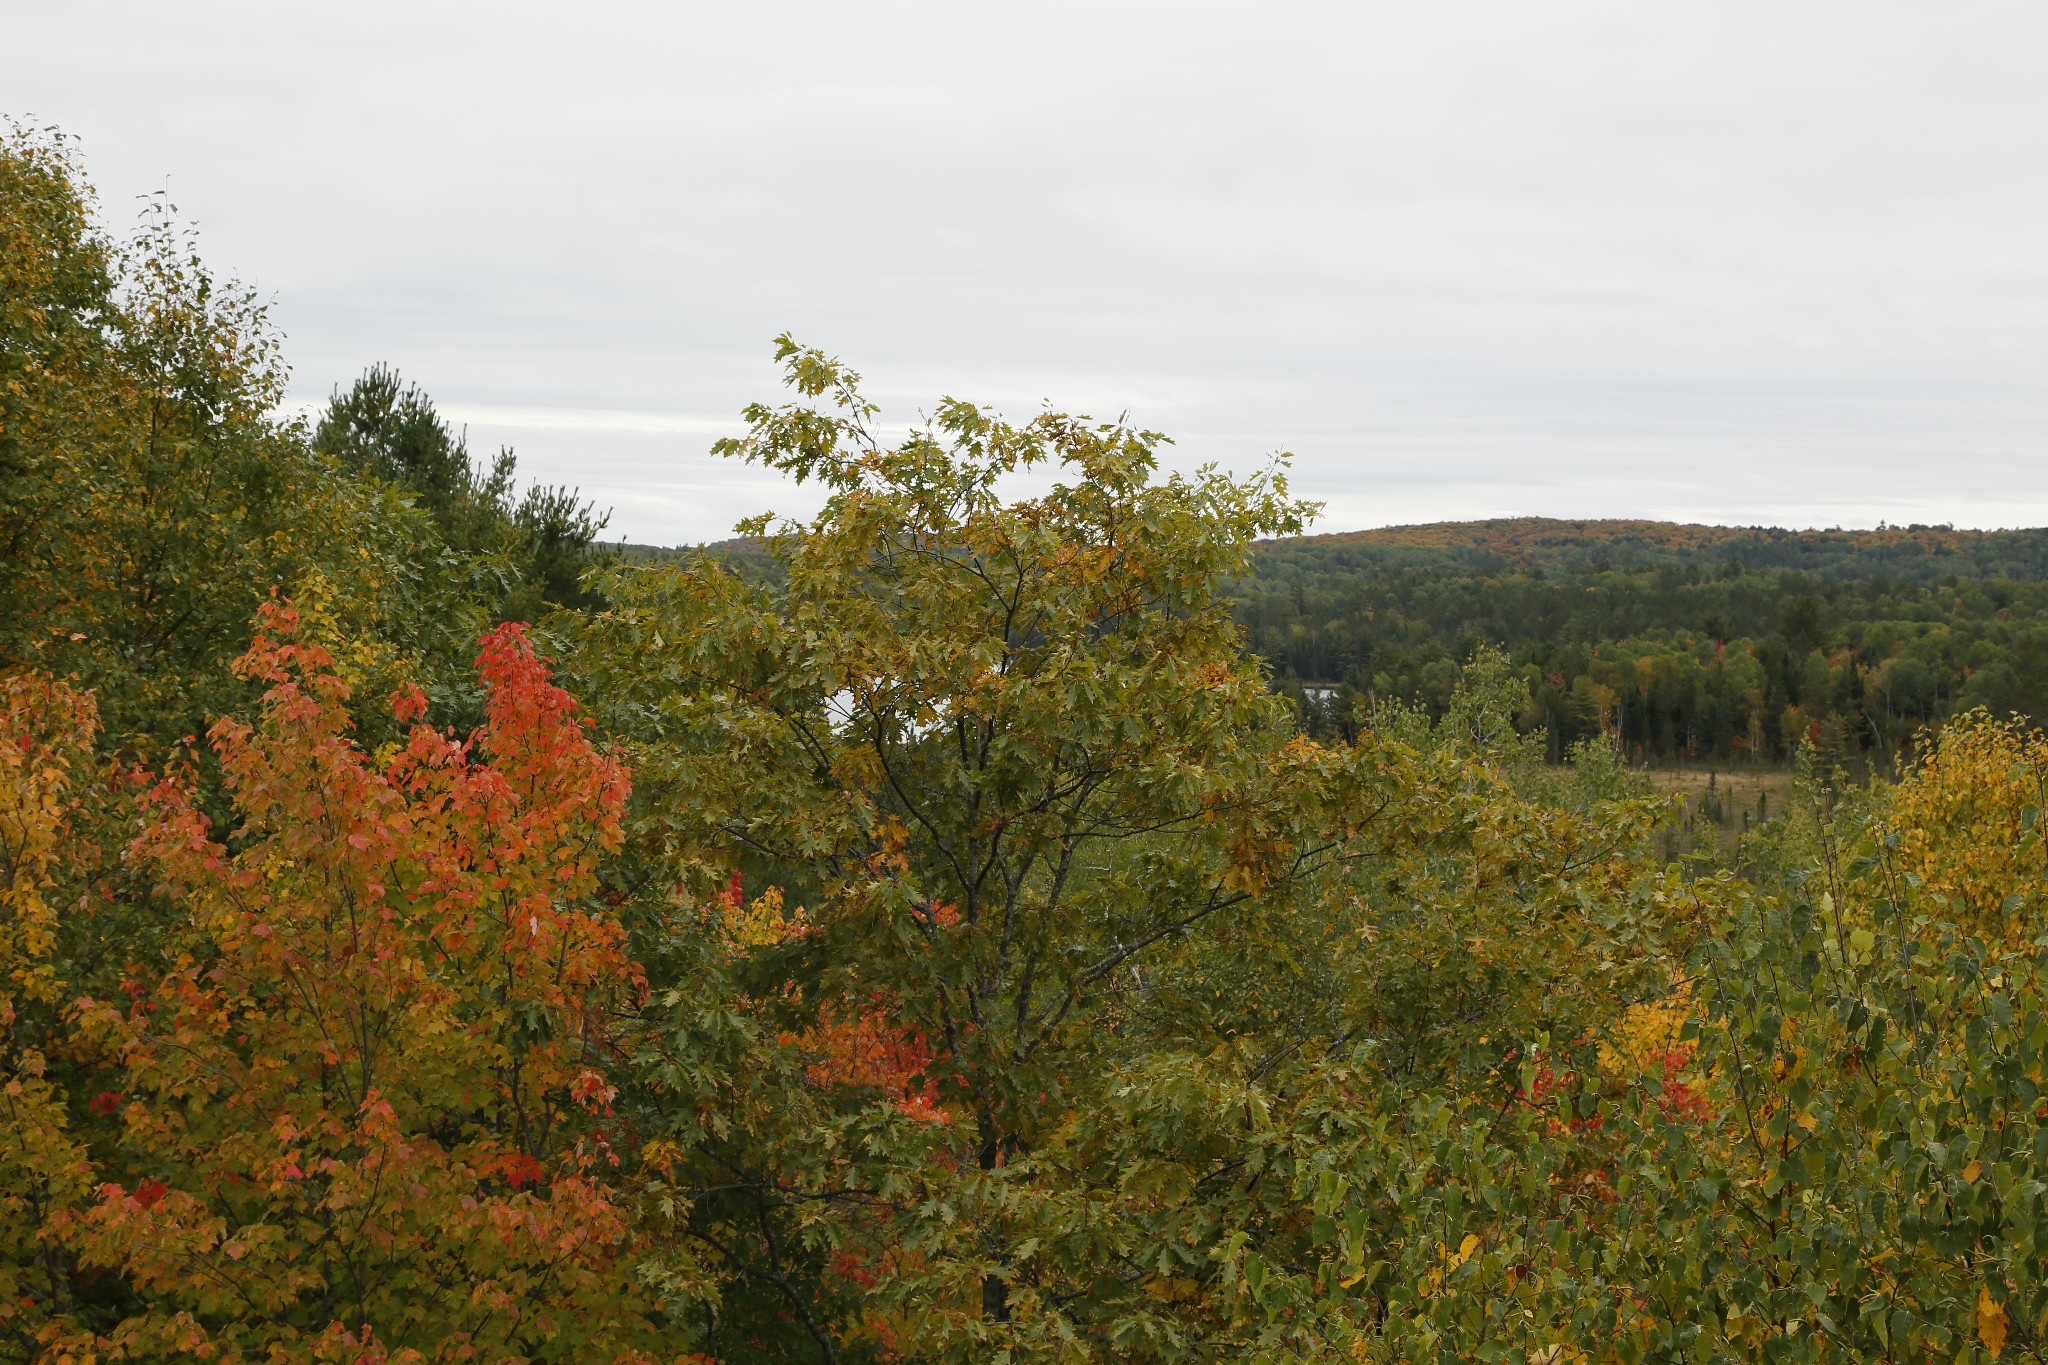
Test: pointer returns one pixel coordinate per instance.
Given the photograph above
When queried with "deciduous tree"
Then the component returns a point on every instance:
(1006, 754)
(364, 1109)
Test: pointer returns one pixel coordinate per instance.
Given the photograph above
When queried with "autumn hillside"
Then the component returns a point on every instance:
(963, 930)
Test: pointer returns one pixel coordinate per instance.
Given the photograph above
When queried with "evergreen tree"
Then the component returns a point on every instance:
(388, 430)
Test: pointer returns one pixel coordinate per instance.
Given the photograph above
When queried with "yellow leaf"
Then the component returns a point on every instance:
(1972, 1171)
(1990, 1322)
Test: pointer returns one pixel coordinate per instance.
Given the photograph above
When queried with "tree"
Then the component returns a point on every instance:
(149, 497)
(1968, 825)
(364, 1108)
(1007, 755)
(388, 430)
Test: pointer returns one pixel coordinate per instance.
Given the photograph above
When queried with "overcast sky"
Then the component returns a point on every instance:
(1726, 262)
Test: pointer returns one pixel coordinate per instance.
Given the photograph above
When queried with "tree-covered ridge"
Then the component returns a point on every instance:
(1551, 545)
(1699, 642)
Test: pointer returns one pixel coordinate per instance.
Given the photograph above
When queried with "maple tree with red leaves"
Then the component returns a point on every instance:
(369, 1094)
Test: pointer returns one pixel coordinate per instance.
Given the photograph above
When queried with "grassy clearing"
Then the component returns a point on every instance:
(1718, 805)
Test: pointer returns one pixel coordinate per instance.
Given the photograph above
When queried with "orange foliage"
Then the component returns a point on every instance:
(863, 1047)
(368, 1093)
(855, 1044)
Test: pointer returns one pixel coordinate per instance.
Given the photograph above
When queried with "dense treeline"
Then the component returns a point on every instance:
(150, 499)
(930, 939)
(1693, 642)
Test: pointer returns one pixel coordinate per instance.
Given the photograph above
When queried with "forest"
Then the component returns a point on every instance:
(1685, 643)
(952, 931)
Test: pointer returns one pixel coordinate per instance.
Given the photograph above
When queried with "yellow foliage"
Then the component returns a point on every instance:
(362, 662)
(1448, 1263)
(1991, 1322)
(46, 729)
(761, 922)
(1966, 819)
(45, 726)
(1646, 1034)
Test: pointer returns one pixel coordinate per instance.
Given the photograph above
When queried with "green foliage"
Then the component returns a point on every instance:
(537, 548)
(389, 430)
(1007, 754)
(1674, 641)
(149, 498)
(1547, 547)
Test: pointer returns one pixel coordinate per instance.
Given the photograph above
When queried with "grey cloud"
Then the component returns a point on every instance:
(1722, 261)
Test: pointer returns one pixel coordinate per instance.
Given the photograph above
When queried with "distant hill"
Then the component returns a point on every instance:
(1921, 554)
(738, 545)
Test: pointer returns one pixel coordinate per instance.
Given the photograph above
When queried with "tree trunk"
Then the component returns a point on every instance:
(995, 1291)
